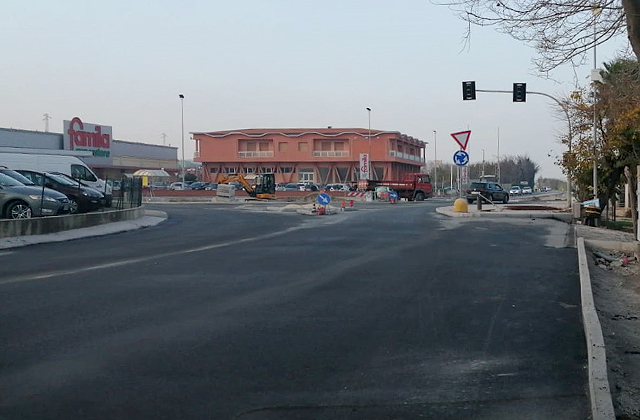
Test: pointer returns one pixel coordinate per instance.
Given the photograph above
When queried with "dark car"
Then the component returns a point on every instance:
(489, 190)
(82, 198)
(198, 185)
(46, 192)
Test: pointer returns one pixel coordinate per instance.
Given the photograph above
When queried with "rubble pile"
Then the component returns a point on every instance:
(620, 261)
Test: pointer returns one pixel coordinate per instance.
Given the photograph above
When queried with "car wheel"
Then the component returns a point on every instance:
(73, 205)
(19, 210)
(419, 196)
(505, 200)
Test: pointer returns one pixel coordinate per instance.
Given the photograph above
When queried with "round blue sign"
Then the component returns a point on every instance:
(461, 158)
(324, 199)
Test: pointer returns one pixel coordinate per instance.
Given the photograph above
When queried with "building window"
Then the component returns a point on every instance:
(249, 170)
(268, 170)
(282, 146)
(286, 169)
(231, 170)
(339, 145)
(213, 170)
(303, 146)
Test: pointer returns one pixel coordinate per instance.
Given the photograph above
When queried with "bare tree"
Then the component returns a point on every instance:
(561, 31)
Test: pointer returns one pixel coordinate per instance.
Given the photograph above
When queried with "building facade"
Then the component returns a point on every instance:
(107, 157)
(324, 156)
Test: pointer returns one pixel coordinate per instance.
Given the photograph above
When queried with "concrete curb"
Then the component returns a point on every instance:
(150, 218)
(599, 392)
(516, 214)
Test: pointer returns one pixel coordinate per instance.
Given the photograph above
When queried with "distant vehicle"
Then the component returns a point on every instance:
(413, 186)
(515, 190)
(291, 187)
(527, 190)
(338, 187)
(489, 190)
(198, 185)
(211, 186)
(177, 186)
(263, 186)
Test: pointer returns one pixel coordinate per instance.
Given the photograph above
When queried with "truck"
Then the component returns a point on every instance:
(65, 164)
(413, 186)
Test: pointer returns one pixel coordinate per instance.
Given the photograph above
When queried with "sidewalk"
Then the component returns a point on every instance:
(151, 218)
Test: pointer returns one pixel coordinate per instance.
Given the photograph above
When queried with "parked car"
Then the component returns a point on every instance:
(19, 201)
(338, 187)
(198, 185)
(490, 190)
(291, 187)
(48, 192)
(82, 198)
(211, 186)
(177, 186)
(527, 190)
(515, 190)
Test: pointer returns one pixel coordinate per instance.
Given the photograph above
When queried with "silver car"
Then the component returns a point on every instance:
(19, 201)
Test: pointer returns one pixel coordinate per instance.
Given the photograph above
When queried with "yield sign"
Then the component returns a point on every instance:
(462, 138)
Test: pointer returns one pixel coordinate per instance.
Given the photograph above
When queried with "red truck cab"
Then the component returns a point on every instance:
(413, 186)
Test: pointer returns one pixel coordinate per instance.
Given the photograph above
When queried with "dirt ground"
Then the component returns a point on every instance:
(616, 290)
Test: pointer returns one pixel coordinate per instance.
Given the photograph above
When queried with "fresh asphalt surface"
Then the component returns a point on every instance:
(390, 312)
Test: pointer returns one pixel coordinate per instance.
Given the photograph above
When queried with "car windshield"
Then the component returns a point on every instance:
(62, 179)
(478, 185)
(7, 181)
(17, 176)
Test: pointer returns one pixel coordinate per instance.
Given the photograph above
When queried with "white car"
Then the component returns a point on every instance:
(177, 186)
(515, 190)
(527, 190)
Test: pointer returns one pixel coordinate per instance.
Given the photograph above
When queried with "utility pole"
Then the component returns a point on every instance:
(46, 122)
(498, 171)
(482, 178)
(435, 160)
(164, 138)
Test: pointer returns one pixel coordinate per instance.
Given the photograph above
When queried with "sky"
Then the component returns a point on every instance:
(278, 64)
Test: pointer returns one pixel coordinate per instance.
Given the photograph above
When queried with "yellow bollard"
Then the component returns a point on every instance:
(460, 206)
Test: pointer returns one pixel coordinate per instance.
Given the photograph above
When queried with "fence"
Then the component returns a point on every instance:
(127, 192)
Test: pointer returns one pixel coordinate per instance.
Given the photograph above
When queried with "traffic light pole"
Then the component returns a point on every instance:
(566, 112)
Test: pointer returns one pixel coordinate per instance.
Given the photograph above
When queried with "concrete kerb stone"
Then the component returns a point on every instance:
(599, 391)
(516, 214)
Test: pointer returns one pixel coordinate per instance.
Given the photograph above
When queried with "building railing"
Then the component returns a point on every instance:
(265, 154)
(330, 153)
(395, 153)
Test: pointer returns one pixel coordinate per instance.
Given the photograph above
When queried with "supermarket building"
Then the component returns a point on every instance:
(94, 144)
(324, 156)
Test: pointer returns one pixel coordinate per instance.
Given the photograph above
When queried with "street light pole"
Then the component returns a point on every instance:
(482, 164)
(596, 12)
(182, 113)
(435, 160)
(369, 166)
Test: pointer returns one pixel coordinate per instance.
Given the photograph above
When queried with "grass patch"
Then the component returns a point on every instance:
(623, 225)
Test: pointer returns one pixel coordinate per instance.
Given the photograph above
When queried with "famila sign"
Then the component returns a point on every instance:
(78, 135)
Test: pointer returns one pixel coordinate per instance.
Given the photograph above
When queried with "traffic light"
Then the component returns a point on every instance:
(519, 92)
(468, 91)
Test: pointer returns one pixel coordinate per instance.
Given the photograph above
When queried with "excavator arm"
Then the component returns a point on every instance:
(265, 185)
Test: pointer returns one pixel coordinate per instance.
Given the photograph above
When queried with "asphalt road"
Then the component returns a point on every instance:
(391, 312)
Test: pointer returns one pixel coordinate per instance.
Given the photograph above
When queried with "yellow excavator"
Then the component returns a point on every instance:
(264, 185)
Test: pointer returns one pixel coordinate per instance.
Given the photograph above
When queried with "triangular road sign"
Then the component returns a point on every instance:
(462, 138)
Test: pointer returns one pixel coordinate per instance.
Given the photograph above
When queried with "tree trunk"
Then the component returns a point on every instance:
(632, 13)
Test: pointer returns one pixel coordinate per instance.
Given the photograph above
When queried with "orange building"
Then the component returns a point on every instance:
(324, 156)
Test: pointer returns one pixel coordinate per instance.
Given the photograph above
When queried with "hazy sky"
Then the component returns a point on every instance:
(276, 63)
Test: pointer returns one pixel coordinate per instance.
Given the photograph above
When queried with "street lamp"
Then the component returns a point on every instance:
(182, 108)
(435, 160)
(482, 164)
(369, 166)
(594, 76)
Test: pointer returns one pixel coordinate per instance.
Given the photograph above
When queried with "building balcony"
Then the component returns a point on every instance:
(265, 154)
(330, 153)
(395, 153)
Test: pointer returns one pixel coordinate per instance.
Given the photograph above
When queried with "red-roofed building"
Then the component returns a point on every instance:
(324, 156)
